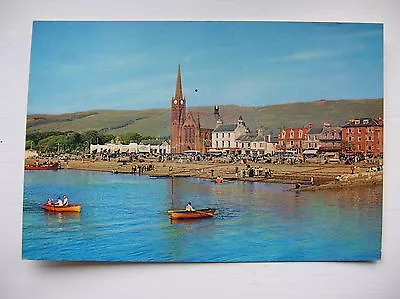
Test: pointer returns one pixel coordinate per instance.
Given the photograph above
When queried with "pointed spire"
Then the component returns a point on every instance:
(178, 89)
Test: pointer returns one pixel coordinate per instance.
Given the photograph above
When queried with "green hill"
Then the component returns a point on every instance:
(155, 122)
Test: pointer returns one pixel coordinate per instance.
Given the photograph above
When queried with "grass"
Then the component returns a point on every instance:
(155, 122)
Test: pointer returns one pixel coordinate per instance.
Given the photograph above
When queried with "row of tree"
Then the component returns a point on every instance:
(75, 142)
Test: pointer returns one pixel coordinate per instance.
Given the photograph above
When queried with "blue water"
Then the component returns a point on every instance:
(124, 218)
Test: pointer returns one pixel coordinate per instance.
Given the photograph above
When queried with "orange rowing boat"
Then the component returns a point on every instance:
(69, 208)
(54, 166)
(183, 214)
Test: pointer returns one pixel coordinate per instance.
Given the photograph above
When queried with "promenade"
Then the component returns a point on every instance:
(309, 176)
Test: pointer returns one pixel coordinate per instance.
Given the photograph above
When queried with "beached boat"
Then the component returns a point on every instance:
(218, 180)
(183, 214)
(42, 167)
(69, 208)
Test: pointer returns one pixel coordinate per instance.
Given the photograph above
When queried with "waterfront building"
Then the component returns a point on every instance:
(292, 139)
(186, 132)
(224, 136)
(363, 136)
(312, 138)
(114, 148)
(330, 139)
(156, 146)
(255, 144)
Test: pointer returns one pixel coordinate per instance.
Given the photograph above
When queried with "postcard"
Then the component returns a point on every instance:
(178, 141)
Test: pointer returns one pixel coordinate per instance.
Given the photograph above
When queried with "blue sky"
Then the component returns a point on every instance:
(80, 66)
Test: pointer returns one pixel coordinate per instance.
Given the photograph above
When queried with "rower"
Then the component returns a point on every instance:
(65, 201)
(59, 202)
(189, 207)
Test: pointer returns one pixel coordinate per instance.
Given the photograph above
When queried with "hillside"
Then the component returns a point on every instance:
(155, 122)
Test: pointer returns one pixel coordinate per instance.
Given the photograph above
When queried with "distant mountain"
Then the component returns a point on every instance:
(155, 122)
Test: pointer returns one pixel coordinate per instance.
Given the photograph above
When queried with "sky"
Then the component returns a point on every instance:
(79, 66)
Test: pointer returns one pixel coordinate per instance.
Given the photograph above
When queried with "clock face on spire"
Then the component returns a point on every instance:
(176, 102)
(181, 102)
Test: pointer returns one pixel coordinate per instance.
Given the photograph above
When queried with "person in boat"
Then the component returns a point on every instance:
(189, 207)
(59, 202)
(65, 201)
(50, 201)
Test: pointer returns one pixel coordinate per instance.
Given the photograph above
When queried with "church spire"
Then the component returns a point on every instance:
(178, 90)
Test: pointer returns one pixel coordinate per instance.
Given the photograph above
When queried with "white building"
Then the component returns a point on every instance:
(145, 146)
(255, 144)
(224, 136)
(161, 147)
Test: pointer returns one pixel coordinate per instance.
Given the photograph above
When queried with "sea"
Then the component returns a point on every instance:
(124, 218)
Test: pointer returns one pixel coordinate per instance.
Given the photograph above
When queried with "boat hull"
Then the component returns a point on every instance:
(69, 208)
(183, 214)
(42, 167)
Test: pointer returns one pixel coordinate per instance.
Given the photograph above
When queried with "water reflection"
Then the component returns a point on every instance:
(61, 221)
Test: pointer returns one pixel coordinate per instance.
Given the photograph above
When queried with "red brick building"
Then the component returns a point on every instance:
(363, 136)
(292, 139)
(185, 129)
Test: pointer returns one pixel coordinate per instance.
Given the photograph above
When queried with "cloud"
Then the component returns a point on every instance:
(101, 63)
(310, 55)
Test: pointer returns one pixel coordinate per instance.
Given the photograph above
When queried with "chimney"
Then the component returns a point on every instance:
(327, 124)
(259, 132)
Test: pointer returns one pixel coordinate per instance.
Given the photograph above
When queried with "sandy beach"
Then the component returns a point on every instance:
(324, 176)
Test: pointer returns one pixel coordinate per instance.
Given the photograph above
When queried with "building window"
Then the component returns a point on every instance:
(291, 143)
(359, 147)
(216, 135)
(357, 121)
(300, 134)
(283, 134)
(359, 138)
(292, 134)
(359, 130)
(365, 121)
(348, 131)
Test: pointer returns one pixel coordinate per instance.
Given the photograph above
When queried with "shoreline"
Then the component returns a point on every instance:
(326, 176)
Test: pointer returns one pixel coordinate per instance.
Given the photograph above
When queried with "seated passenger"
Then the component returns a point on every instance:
(59, 202)
(65, 201)
(189, 207)
(49, 201)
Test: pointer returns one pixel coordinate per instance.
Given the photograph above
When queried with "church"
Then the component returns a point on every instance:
(186, 132)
